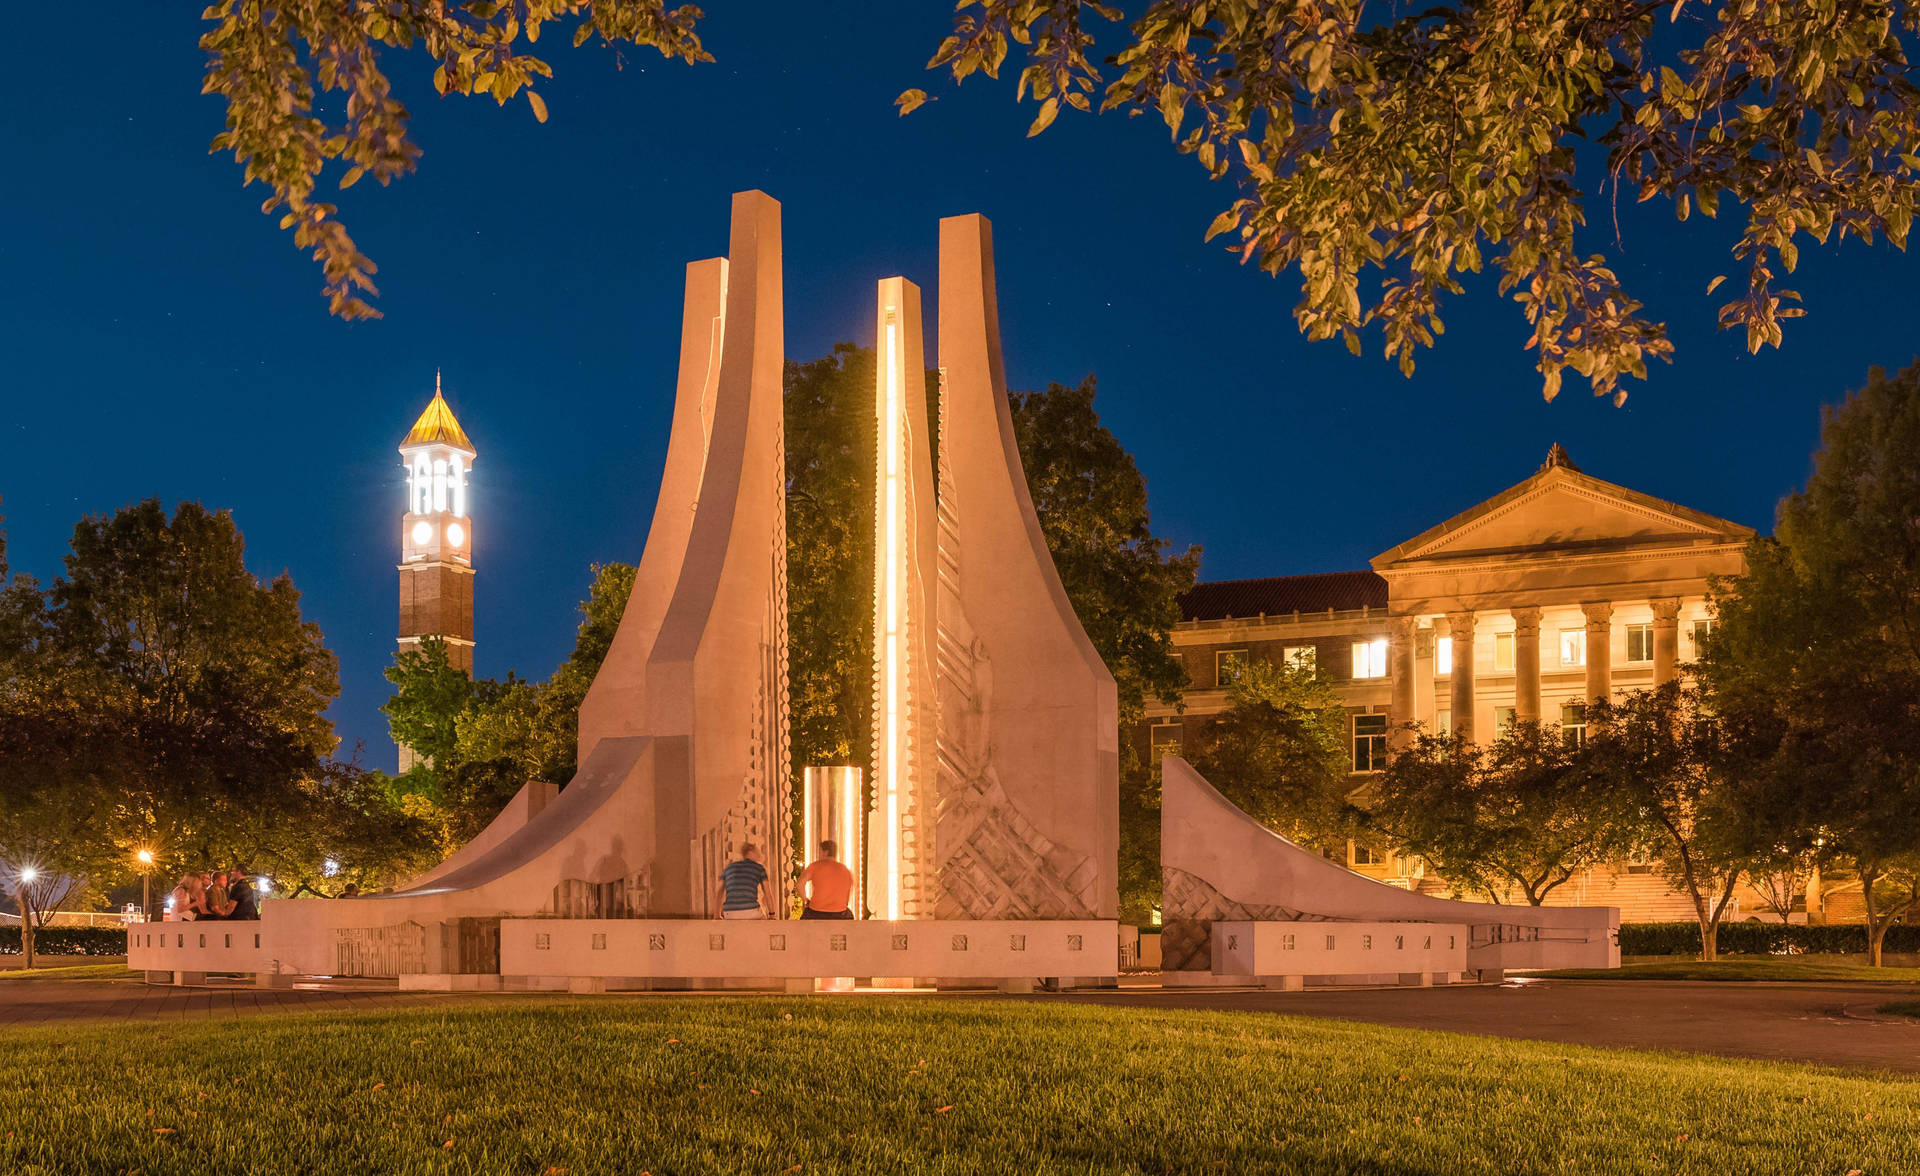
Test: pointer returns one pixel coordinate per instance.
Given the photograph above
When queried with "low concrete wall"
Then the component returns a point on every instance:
(320, 937)
(1284, 955)
(188, 951)
(1071, 951)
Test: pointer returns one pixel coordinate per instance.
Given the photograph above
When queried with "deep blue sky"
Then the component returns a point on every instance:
(158, 336)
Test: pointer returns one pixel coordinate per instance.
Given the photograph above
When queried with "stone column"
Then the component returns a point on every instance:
(1599, 648)
(1400, 652)
(1526, 663)
(1460, 627)
(1666, 639)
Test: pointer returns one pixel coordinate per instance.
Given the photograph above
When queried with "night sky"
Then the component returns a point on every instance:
(158, 336)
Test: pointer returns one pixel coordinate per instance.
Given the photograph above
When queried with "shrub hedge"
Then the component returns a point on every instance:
(1683, 939)
(80, 941)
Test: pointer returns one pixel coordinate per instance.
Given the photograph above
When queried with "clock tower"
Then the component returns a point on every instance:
(436, 537)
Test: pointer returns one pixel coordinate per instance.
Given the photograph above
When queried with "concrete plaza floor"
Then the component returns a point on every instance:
(1829, 1024)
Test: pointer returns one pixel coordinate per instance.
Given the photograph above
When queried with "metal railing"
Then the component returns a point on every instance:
(77, 919)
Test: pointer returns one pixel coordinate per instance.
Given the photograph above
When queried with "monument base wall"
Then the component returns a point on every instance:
(348, 939)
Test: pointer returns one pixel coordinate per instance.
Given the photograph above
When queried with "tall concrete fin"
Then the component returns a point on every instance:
(900, 866)
(615, 704)
(717, 674)
(1028, 823)
(706, 624)
(1218, 863)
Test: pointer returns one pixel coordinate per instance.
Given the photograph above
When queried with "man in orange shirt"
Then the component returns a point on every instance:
(827, 885)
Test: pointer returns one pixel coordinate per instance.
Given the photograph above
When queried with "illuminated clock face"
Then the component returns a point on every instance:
(422, 532)
(456, 534)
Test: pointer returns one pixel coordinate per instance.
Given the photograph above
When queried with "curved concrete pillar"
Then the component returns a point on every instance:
(615, 704)
(683, 735)
(1029, 823)
(718, 672)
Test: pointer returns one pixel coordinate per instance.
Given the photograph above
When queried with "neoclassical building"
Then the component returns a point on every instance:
(1555, 591)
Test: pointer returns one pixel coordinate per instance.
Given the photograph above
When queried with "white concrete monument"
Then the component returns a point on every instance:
(1029, 816)
(993, 841)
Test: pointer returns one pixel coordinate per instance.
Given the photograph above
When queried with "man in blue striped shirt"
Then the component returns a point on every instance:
(743, 885)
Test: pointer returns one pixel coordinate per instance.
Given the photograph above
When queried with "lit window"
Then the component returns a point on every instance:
(1166, 738)
(1300, 657)
(1443, 656)
(1573, 647)
(1443, 722)
(1363, 856)
(1502, 721)
(1369, 743)
(457, 485)
(422, 486)
(1639, 643)
(1573, 723)
(1229, 666)
(1503, 652)
(1370, 658)
(1700, 631)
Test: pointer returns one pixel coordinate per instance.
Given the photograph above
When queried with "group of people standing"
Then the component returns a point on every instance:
(746, 891)
(228, 894)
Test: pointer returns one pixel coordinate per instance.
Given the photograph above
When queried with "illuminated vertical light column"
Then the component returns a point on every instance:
(900, 857)
(832, 813)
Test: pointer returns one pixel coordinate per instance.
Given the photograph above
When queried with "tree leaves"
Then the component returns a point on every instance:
(270, 61)
(1425, 145)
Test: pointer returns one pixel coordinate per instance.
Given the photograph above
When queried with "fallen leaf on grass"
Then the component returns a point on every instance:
(556, 1172)
(418, 1041)
(943, 1110)
(163, 1131)
(379, 1086)
(447, 1144)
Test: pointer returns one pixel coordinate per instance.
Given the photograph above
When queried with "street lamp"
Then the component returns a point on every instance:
(27, 875)
(146, 885)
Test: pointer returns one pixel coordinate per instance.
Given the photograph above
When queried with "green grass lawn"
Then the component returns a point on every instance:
(1745, 968)
(547, 1087)
(71, 972)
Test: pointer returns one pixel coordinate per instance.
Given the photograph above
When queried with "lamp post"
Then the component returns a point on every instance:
(27, 875)
(146, 885)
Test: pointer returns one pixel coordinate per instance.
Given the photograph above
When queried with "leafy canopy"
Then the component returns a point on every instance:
(164, 698)
(271, 62)
(1821, 635)
(1279, 751)
(1521, 813)
(1429, 142)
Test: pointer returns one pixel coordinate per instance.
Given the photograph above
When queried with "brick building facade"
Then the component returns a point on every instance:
(1560, 589)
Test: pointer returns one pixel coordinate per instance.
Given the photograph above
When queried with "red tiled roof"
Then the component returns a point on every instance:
(1280, 595)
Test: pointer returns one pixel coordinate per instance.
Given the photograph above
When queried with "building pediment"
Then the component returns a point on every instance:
(1561, 511)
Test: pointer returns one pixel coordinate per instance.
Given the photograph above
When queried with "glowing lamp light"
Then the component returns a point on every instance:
(456, 534)
(29, 874)
(422, 532)
(145, 856)
(330, 867)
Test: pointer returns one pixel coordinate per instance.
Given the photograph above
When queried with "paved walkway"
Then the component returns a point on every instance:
(1831, 1024)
